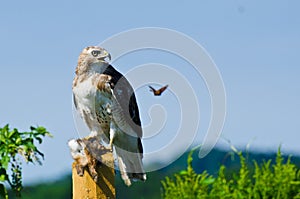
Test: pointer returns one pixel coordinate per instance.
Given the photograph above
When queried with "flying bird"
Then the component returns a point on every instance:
(159, 91)
(107, 103)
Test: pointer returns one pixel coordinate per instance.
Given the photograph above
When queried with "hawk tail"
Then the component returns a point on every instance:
(130, 166)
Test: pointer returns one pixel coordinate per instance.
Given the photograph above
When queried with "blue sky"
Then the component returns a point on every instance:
(255, 45)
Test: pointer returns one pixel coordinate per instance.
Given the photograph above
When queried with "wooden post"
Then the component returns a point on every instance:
(84, 187)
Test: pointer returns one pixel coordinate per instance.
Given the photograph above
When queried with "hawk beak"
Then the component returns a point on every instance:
(109, 57)
(106, 55)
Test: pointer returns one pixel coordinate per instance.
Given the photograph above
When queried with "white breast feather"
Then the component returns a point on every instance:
(88, 99)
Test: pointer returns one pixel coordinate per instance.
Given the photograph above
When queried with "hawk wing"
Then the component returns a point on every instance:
(125, 129)
(125, 97)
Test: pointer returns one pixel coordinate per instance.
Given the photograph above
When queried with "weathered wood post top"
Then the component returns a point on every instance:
(92, 171)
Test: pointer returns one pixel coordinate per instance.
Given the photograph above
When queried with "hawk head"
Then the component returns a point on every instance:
(93, 56)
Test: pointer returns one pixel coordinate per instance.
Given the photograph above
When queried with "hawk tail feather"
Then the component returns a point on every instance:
(130, 166)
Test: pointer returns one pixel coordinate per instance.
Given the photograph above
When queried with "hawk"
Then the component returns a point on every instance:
(107, 103)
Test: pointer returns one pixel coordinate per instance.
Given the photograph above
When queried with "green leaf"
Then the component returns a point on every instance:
(5, 128)
(2, 178)
(4, 161)
(14, 142)
(295, 182)
(184, 172)
(10, 134)
(209, 181)
(18, 141)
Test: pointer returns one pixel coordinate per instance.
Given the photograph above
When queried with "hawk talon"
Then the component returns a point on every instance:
(110, 148)
(79, 170)
(95, 178)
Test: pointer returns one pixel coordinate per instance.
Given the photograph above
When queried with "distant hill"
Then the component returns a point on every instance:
(151, 189)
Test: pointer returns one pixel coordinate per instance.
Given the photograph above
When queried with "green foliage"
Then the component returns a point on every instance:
(14, 144)
(280, 180)
(58, 189)
(187, 183)
(151, 188)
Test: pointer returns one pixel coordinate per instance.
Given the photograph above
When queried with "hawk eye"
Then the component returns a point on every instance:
(95, 53)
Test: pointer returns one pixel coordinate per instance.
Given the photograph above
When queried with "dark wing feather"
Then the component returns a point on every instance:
(127, 100)
(163, 89)
(152, 89)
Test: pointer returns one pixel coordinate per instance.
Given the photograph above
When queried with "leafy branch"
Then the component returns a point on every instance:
(15, 144)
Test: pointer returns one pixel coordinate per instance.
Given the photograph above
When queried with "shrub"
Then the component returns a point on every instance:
(279, 180)
(12, 143)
